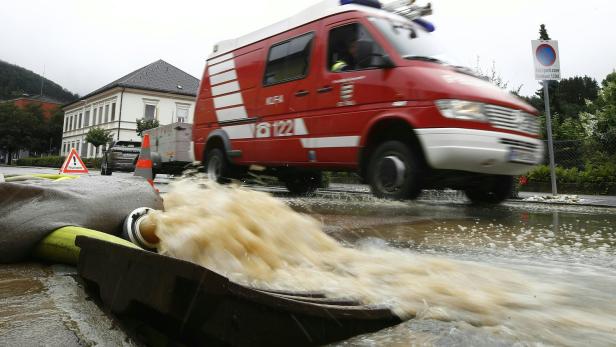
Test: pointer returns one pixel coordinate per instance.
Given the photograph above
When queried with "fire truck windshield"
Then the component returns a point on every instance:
(411, 40)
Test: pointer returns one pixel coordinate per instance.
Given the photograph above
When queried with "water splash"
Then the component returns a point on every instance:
(255, 239)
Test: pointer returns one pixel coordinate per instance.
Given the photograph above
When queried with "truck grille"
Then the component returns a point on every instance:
(510, 119)
(523, 145)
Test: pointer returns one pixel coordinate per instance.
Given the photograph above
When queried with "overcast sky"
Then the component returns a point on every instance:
(85, 44)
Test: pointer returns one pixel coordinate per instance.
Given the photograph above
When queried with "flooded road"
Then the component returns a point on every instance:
(515, 274)
(567, 248)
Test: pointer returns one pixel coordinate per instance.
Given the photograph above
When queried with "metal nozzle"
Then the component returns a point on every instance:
(140, 230)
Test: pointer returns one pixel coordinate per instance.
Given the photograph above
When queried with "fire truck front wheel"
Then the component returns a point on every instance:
(394, 172)
(216, 165)
(494, 189)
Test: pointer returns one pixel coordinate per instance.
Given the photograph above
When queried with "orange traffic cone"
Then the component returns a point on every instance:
(144, 163)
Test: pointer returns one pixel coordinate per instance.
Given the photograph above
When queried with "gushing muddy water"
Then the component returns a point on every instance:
(412, 266)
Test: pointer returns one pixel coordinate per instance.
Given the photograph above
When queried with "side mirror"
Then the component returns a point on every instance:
(383, 61)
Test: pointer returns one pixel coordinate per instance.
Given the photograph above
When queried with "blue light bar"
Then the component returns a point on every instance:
(371, 3)
(425, 24)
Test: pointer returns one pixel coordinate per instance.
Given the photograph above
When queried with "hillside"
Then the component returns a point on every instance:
(15, 81)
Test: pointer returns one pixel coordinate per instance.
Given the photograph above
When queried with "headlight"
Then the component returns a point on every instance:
(462, 109)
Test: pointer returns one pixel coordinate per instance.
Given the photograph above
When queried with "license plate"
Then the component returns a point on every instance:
(518, 156)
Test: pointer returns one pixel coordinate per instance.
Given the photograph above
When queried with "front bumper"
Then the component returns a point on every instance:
(487, 152)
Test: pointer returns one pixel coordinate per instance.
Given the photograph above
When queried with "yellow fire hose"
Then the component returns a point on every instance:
(53, 177)
(59, 246)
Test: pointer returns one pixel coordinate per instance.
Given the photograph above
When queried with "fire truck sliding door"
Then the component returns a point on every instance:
(285, 95)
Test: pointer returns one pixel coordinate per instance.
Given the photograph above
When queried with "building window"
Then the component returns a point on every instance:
(100, 115)
(113, 112)
(106, 113)
(65, 123)
(94, 117)
(75, 122)
(288, 61)
(86, 119)
(181, 111)
(80, 119)
(149, 112)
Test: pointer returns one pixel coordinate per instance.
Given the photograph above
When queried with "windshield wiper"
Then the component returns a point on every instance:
(423, 58)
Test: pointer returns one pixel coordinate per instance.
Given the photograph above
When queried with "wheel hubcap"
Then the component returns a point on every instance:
(391, 173)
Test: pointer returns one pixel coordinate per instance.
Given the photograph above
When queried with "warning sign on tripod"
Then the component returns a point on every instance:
(73, 164)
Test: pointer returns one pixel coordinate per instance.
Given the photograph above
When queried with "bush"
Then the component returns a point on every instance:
(52, 161)
(592, 173)
(56, 162)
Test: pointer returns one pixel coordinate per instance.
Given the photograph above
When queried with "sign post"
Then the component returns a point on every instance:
(547, 68)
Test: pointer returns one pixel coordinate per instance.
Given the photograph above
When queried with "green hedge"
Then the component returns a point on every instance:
(593, 179)
(56, 162)
(592, 173)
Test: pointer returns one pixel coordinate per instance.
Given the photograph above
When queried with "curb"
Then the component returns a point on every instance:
(522, 201)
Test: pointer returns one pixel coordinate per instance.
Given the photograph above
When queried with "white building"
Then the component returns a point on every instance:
(157, 91)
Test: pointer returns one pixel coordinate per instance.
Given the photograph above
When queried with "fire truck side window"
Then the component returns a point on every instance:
(352, 48)
(288, 61)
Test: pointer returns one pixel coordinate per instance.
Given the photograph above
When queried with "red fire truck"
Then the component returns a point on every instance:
(354, 85)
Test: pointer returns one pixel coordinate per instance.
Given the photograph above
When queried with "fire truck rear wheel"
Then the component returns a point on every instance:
(303, 183)
(216, 165)
(394, 172)
(493, 190)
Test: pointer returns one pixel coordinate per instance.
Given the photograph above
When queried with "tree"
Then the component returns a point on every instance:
(569, 96)
(21, 128)
(145, 124)
(55, 126)
(604, 112)
(543, 33)
(610, 78)
(12, 129)
(37, 138)
(98, 137)
(494, 77)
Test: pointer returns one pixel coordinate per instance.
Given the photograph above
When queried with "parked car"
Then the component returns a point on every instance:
(358, 86)
(120, 156)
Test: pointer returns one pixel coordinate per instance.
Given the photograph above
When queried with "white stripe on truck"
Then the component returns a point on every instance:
(331, 142)
(228, 100)
(231, 113)
(218, 68)
(225, 88)
(223, 77)
(220, 59)
(243, 131)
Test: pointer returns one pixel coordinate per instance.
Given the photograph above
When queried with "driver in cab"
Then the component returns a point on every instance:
(347, 57)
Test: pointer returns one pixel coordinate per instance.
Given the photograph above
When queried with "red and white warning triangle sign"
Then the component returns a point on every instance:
(73, 164)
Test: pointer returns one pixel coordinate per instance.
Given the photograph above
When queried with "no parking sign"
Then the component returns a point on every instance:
(547, 62)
